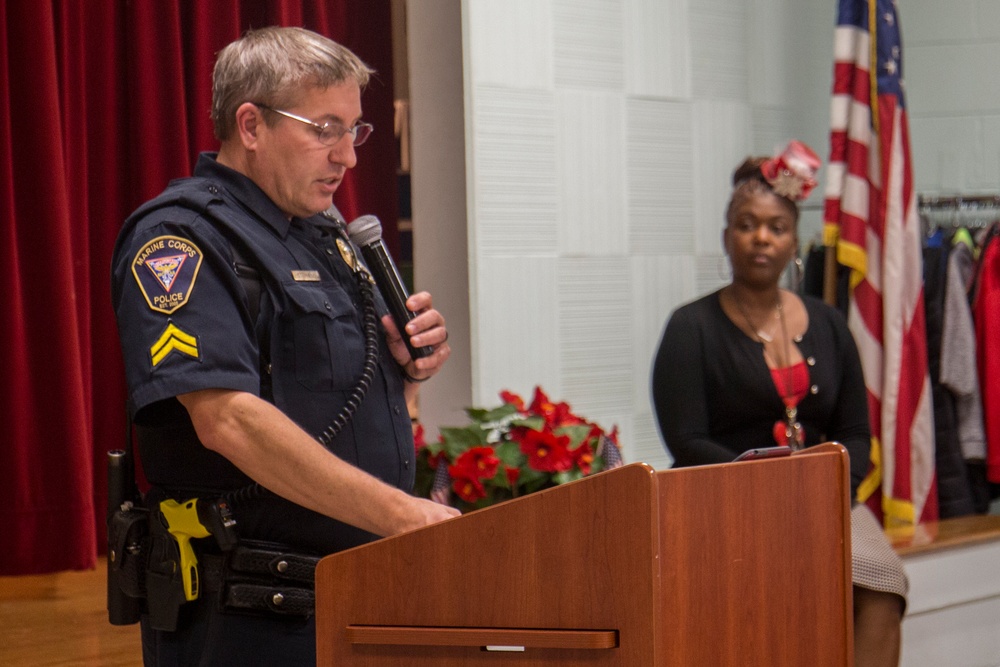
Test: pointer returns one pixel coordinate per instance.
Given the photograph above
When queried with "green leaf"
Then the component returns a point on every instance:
(434, 448)
(510, 454)
(597, 465)
(492, 414)
(499, 480)
(577, 434)
(532, 480)
(567, 476)
(534, 423)
(459, 440)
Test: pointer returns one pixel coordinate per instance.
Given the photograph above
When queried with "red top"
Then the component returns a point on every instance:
(792, 383)
(986, 314)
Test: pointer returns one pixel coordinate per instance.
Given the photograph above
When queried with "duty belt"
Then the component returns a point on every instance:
(261, 577)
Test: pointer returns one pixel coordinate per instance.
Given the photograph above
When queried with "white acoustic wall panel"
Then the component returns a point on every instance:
(770, 70)
(956, 154)
(960, 78)
(711, 272)
(646, 445)
(595, 336)
(515, 195)
(951, 72)
(772, 130)
(660, 167)
(987, 19)
(518, 327)
(601, 137)
(986, 175)
(590, 154)
(719, 50)
(934, 21)
(587, 37)
(512, 43)
(659, 285)
(722, 139)
(657, 49)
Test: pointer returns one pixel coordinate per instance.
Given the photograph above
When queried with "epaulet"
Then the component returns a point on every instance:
(194, 193)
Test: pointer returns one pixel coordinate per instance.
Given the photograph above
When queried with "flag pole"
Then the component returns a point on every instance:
(830, 275)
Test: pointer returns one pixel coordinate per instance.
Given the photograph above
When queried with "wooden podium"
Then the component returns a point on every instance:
(735, 564)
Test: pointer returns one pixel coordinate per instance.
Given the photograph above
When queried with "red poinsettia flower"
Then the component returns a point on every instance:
(478, 463)
(542, 406)
(583, 456)
(512, 475)
(513, 399)
(468, 489)
(564, 416)
(418, 437)
(555, 414)
(547, 451)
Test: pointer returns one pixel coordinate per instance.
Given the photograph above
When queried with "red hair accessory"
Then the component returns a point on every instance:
(792, 173)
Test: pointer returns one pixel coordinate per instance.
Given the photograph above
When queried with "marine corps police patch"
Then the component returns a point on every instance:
(165, 269)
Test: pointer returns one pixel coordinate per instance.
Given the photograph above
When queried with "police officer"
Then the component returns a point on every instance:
(267, 396)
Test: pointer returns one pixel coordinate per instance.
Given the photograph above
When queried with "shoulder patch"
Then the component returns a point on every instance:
(173, 339)
(165, 269)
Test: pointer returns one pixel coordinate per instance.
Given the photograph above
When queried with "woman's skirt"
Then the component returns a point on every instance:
(875, 565)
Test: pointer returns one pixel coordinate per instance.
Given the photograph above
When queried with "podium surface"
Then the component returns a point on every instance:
(735, 564)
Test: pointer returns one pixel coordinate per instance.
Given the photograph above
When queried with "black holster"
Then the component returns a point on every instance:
(128, 530)
(128, 540)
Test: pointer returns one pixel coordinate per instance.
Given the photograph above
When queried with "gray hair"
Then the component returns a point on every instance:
(272, 65)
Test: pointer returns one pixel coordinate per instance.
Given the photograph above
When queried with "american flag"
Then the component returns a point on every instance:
(871, 219)
(441, 487)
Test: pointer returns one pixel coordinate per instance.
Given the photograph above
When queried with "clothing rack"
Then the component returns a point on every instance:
(959, 210)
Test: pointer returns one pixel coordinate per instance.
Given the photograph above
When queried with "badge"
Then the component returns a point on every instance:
(347, 253)
(165, 269)
(173, 339)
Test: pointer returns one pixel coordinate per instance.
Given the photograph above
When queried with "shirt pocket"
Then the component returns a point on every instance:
(325, 339)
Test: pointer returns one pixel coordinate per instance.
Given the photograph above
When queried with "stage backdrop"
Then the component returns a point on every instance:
(103, 102)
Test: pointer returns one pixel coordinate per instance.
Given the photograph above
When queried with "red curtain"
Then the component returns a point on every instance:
(103, 103)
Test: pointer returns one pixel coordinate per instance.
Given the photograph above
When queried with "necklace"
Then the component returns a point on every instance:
(762, 335)
(794, 433)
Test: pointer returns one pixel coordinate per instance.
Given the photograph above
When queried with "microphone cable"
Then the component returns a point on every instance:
(369, 324)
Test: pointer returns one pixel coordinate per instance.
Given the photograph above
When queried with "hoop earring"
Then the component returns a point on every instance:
(724, 268)
(798, 274)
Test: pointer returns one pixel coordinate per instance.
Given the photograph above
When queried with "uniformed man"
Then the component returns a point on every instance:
(279, 392)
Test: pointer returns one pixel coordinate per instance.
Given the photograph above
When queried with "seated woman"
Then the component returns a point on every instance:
(753, 365)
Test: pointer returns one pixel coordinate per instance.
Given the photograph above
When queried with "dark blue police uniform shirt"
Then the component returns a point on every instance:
(185, 324)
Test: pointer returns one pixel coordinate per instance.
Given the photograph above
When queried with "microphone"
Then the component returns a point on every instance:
(366, 232)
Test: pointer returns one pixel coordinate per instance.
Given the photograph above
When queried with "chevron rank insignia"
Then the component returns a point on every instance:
(165, 269)
(173, 340)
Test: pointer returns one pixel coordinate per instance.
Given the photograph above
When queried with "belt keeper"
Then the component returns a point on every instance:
(286, 601)
(260, 559)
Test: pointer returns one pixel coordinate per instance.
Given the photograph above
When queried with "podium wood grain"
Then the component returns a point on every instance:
(737, 564)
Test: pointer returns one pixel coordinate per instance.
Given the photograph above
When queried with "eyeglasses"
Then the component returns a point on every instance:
(329, 133)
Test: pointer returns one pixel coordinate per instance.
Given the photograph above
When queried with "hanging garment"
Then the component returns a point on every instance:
(986, 313)
(958, 368)
(954, 493)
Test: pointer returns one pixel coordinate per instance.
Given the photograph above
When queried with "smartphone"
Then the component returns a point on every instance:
(763, 453)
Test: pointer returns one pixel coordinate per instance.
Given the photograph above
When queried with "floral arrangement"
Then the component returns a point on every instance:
(510, 451)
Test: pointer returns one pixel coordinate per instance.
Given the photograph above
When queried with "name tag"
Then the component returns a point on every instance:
(305, 276)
